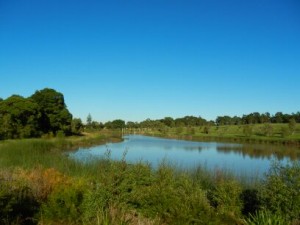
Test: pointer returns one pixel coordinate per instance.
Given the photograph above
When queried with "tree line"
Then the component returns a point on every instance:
(193, 121)
(187, 121)
(43, 113)
(257, 118)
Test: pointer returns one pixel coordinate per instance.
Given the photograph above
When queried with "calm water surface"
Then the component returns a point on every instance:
(240, 159)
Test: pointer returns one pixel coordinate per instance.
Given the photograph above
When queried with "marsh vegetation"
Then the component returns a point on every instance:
(41, 185)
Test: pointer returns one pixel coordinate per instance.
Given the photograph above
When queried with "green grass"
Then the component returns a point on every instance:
(234, 133)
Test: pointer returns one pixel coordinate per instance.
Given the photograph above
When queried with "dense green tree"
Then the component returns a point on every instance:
(77, 125)
(265, 118)
(55, 115)
(190, 121)
(251, 118)
(227, 120)
(118, 124)
(224, 120)
(179, 122)
(237, 120)
(19, 118)
(132, 125)
(148, 123)
(278, 118)
(108, 125)
(296, 116)
(168, 121)
(6, 127)
(95, 125)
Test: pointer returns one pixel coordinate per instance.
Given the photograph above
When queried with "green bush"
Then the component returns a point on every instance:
(226, 197)
(60, 134)
(17, 204)
(281, 190)
(95, 203)
(268, 129)
(63, 205)
(175, 199)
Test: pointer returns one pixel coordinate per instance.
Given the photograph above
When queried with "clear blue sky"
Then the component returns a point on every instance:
(138, 59)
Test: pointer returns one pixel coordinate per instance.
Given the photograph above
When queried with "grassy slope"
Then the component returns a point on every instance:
(233, 133)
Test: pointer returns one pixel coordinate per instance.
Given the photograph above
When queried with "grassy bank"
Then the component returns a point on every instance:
(255, 133)
(41, 185)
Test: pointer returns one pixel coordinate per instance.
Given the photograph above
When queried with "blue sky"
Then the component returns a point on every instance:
(139, 59)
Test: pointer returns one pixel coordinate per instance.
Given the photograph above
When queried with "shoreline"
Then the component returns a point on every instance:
(238, 140)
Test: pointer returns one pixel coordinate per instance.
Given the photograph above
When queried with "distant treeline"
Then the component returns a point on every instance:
(43, 113)
(193, 121)
(256, 118)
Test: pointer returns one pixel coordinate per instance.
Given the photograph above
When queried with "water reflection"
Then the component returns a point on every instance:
(263, 151)
(242, 158)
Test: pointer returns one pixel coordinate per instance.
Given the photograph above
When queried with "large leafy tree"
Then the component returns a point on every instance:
(118, 124)
(54, 114)
(19, 117)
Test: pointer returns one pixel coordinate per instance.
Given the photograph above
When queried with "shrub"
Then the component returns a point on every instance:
(17, 204)
(60, 134)
(42, 181)
(95, 203)
(63, 205)
(175, 199)
(281, 190)
(226, 197)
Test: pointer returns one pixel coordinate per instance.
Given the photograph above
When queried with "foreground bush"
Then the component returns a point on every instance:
(63, 205)
(281, 190)
(17, 202)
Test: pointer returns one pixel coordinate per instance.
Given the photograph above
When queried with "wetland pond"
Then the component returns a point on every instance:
(241, 159)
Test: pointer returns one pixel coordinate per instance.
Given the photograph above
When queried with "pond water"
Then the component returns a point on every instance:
(246, 160)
